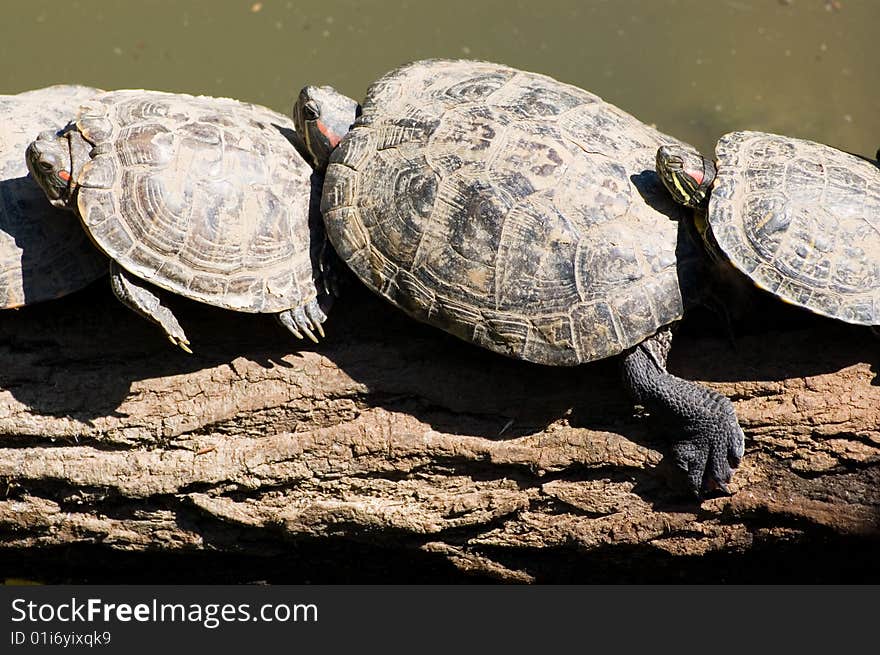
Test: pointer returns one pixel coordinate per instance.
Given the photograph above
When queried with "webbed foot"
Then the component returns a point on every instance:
(711, 448)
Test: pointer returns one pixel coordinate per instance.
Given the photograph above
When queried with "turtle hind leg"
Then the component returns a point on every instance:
(140, 298)
(305, 320)
(711, 443)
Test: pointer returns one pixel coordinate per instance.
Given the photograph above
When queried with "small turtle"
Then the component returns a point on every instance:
(204, 197)
(800, 219)
(523, 215)
(42, 254)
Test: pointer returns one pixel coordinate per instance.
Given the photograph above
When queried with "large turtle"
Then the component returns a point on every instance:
(800, 219)
(523, 215)
(42, 254)
(204, 197)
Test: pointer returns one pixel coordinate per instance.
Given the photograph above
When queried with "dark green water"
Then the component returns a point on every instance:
(696, 68)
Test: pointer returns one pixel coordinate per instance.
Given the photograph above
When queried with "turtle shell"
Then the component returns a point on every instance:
(44, 253)
(204, 197)
(509, 209)
(802, 220)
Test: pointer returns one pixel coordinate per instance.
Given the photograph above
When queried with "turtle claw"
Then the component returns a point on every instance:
(182, 343)
(304, 321)
(168, 322)
(310, 334)
(316, 315)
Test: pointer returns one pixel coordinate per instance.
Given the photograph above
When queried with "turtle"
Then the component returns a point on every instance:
(42, 254)
(523, 215)
(204, 197)
(800, 219)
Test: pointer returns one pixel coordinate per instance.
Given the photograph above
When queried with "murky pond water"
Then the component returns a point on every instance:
(806, 68)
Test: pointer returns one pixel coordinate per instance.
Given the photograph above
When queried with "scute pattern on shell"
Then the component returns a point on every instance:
(205, 197)
(802, 220)
(44, 253)
(512, 210)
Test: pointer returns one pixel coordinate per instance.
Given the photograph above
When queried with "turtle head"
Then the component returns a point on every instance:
(686, 174)
(322, 117)
(54, 159)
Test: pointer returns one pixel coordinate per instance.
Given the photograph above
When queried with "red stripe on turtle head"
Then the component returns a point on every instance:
(64, 175)
(696, 176)
(332, 137)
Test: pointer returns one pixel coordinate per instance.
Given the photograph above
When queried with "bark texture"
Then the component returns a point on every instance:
(392, 452)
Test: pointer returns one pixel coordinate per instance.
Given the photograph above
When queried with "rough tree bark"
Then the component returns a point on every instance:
(392, 452)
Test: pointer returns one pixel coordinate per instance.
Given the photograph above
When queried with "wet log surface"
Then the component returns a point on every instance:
(392, 452)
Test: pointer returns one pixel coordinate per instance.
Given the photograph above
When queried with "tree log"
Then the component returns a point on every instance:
(394, 452)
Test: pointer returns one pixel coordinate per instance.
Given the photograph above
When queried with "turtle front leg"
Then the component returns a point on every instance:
(711, 442)
(306, 319)
(137, 296)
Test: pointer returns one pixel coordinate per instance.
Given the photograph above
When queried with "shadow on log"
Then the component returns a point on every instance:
(392, 452)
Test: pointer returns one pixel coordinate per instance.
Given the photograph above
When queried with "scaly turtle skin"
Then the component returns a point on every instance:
(203, 197)
(43, 253)
(523, 215)
(800, 219)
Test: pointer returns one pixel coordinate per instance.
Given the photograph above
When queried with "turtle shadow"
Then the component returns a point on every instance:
(650, 188)
(780, 342)
(79, 356)
(451, 385)
(295, 139)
